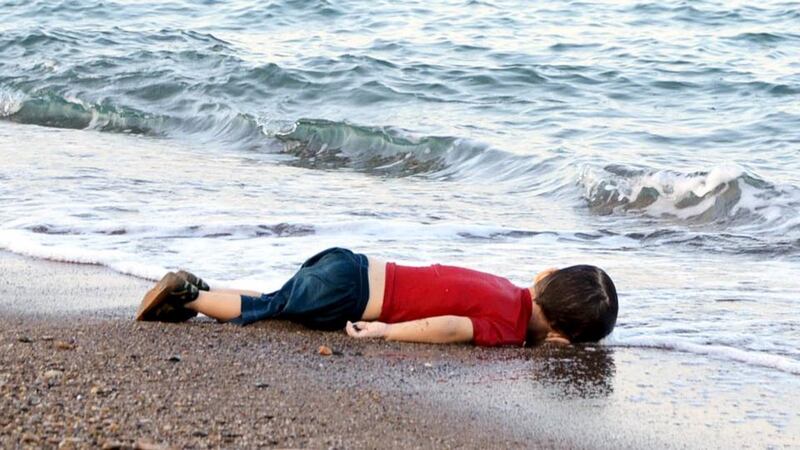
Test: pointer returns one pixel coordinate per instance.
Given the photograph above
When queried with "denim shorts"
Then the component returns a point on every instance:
(329, 289)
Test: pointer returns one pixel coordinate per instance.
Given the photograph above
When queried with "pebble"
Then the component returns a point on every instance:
(69, 443)
(53, 374)
(144, 445)
(61, 345)
(25, 339)
(174, 358)
(99, 391)
(324, 350)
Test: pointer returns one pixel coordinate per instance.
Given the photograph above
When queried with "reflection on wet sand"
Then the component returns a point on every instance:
(575, 371)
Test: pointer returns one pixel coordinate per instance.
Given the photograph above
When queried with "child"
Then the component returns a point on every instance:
(338, 289)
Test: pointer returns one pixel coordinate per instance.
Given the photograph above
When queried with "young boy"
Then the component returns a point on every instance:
(370, 298)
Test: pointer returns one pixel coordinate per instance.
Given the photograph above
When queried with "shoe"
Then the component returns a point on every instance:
(194, 279)
(166, 312)
(171, 290)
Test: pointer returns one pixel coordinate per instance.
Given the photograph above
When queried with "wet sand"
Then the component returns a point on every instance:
(73, 378)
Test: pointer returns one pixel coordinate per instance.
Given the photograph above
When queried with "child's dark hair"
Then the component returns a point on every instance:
(579, 302)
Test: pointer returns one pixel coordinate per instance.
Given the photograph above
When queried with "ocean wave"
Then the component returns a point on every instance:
(315, 143)
(57, 111)
(326, 144)
(219, 125)
(10, 101)
(392, 151)
(725, 195)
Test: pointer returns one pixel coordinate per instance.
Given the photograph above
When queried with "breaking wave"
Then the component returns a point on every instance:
(724, 195)
(314, 143)
(326, 144)
(52, 110)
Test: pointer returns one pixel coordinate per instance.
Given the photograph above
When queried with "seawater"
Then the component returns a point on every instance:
(657, 140)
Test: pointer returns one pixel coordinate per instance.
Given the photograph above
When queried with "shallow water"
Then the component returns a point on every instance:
(656, 140)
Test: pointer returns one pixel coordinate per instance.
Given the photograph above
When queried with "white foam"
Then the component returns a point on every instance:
(404, 229)
(715, 351)
(10, 101)
(369, 227)
(773, 204)
(20, 242)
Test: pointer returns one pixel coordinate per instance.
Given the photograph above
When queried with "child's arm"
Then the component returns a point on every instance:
(436, 330)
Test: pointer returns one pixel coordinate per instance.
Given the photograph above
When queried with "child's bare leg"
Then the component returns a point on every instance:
(236, 291)
(222, 305)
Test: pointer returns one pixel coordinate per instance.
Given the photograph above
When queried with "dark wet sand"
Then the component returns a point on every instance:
(70, 378)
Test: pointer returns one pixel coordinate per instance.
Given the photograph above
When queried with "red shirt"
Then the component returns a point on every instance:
(498, 309)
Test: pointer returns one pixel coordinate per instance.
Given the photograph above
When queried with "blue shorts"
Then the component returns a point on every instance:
(330, 288)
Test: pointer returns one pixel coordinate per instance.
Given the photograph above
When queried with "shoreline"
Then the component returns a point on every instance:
(80, 378)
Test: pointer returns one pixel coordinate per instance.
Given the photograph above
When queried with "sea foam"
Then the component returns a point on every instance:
(715, 351)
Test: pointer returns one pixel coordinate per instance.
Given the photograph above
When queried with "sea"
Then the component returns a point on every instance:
(657, 140)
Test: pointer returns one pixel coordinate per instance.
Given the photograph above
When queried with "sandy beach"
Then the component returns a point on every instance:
(76, 379)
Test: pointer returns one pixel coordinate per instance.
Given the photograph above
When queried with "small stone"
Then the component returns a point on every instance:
(262, 385)
(61, 345)
(25, 339)
(145, 445)
(114, 445)
(53, 374)
(174, 358)
(47, 338)
(99, 391)
(69, 443)
(324, 350)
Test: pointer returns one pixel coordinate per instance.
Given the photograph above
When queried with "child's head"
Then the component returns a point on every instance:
(580, 302)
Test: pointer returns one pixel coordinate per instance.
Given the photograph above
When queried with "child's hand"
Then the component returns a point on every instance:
(363, 329)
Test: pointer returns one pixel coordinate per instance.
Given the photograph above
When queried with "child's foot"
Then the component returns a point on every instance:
(194, 279)
(173, 292)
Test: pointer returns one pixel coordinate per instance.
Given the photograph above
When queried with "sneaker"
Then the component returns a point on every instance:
(194, 279)
(167, 312)
(171, 290)
(184, 293)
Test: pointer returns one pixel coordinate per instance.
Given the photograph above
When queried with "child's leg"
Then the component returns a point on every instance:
(223, 304)
(236, 291)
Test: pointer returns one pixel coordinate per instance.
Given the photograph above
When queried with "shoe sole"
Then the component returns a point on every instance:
(156, 296)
